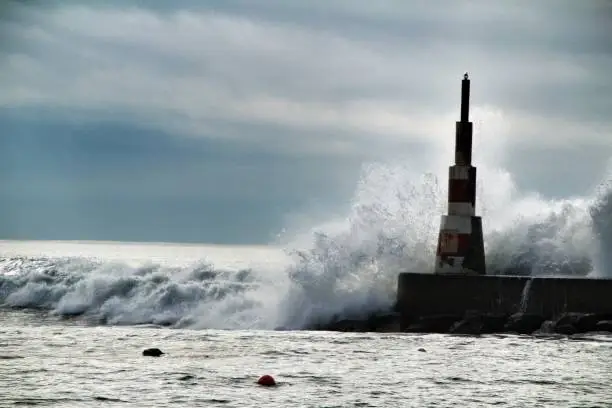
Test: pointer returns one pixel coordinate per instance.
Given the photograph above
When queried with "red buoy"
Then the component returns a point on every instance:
(266, 380)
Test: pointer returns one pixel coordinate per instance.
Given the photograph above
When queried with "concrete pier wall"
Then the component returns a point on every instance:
(422, 294)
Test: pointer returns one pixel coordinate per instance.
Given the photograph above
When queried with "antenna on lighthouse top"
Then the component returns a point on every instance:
(465, 98)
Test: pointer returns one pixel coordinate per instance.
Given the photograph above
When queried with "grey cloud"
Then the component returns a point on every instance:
(551, 55)
(350, 74)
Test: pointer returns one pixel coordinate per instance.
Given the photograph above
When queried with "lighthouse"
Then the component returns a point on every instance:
(460, 242)
(460, 286)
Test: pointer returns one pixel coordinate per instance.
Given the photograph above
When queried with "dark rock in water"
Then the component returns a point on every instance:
(422, 350)
(604, 326)
(589, 322)
(346, 325)
(467, 326)
(568, 318)
(565, 329)
(152, 352)
(479, 324)
(547, 327)
(582, 322)
(433, 324)
(523, 323)
(387, 322)
(494, 323)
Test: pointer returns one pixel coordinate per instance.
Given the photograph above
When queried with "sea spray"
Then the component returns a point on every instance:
(525, 296)
(601, 216)
(352, 269)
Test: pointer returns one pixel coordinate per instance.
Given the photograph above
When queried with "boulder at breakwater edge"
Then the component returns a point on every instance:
(474, 323)
(378, 322)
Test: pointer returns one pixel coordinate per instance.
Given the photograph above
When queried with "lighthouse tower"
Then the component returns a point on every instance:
(460, 243)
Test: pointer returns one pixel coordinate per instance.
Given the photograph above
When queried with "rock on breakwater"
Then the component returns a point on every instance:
(475, 323)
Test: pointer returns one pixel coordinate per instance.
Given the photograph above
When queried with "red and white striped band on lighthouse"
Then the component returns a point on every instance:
(462, 190)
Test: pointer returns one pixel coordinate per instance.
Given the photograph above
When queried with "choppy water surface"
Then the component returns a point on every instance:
(44, 362)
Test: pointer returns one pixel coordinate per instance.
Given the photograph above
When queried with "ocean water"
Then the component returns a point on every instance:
(45, 362)
(75, 316)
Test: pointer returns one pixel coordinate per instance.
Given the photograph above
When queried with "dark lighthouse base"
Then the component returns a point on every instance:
(489, 303)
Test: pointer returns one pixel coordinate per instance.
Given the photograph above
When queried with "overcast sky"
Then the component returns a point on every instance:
(218, 120)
